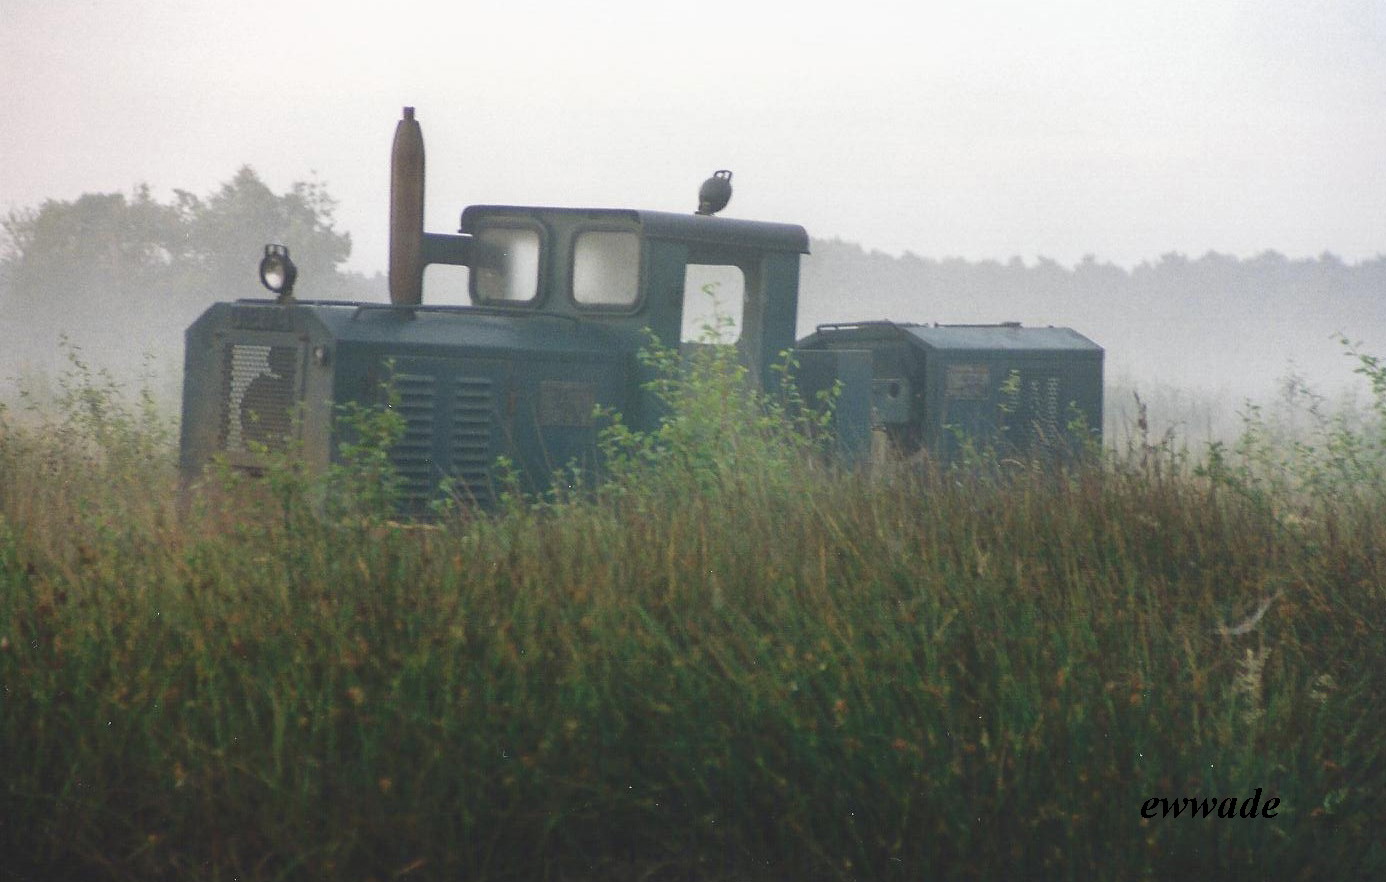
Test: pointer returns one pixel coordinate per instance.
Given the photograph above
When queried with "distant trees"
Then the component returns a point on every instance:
(192, 249)
(126, 273)
(56, 253)
(227, 233)
(1215, 320)
(118, 271)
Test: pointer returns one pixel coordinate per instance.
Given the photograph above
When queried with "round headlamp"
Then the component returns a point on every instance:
(277, 271)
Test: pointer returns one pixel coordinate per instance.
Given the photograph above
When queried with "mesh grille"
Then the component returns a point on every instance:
(260, 396)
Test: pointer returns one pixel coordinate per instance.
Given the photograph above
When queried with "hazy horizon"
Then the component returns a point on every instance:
(1119, 130)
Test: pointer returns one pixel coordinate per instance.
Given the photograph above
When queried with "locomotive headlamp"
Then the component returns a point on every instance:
(277, 271)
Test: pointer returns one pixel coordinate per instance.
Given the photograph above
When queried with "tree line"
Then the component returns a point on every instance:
(1215, 321)
(123, 274)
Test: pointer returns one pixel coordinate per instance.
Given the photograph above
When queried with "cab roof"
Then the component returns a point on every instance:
(1006, 337)
(695, 228)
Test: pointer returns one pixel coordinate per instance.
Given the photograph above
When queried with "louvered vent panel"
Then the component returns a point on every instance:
(472, 409)
(261, 382)
(413, 454)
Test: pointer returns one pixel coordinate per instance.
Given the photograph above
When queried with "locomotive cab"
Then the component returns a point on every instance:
(627, 270)
(560, 302)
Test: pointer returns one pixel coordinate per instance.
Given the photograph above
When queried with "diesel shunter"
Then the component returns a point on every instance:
(559, 303)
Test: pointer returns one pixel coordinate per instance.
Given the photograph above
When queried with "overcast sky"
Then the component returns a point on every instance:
(977, 128)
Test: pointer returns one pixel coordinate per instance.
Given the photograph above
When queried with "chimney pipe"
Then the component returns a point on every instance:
(406, 211)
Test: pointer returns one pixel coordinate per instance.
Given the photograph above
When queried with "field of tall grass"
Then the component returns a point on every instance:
(731, 662)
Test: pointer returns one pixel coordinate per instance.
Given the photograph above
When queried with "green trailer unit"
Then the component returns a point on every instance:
(1025, 391)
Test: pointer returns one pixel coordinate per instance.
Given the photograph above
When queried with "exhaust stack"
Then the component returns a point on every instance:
(406, 211)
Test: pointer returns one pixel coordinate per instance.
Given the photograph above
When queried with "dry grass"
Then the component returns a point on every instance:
(968, 673)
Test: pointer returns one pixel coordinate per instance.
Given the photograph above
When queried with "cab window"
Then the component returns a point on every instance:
(505, 265)
(447, 285)
(606, 268)
(714, 303)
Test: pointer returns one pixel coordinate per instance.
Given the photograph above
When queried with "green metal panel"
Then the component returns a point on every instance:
(849, 371)
(1010, 337)
(1015, 388)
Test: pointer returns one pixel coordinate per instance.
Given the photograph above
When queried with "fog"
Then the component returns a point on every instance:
(1089, 143)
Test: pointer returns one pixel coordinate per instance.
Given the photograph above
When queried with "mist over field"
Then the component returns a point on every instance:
(1195, 335)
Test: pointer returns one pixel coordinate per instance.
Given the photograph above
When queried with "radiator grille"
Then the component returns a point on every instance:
(447, 433)
(413, 454)
(472, 407)
(260, 395)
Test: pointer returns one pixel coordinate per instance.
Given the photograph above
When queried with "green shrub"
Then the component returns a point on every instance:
(717, 431)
